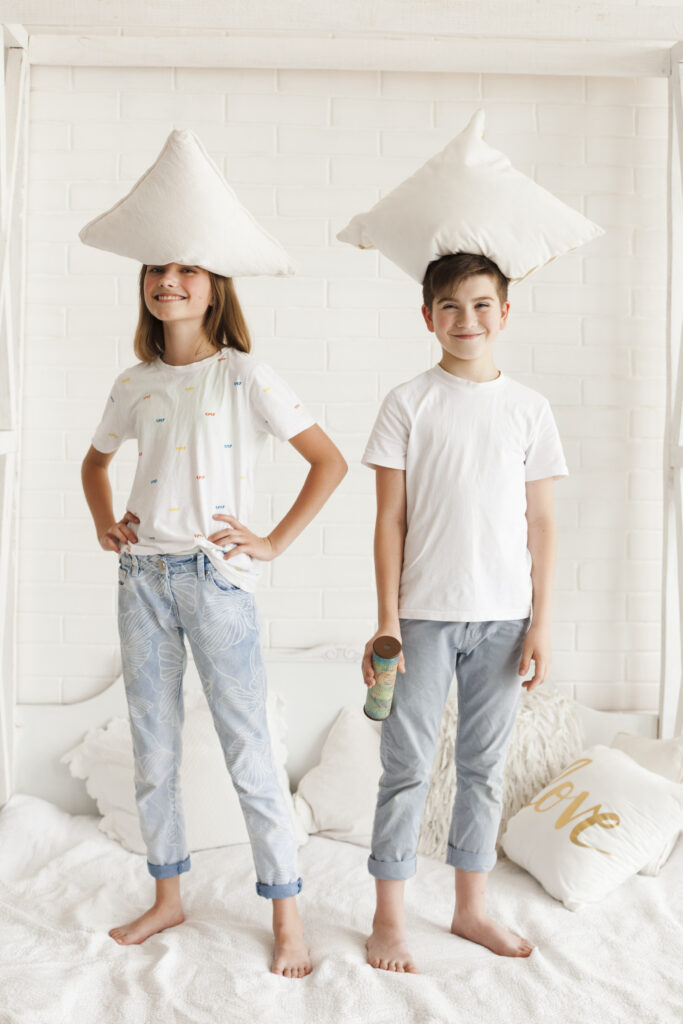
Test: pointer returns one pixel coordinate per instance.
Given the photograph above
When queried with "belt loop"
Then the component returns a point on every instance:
(200, 565)
(136, 565)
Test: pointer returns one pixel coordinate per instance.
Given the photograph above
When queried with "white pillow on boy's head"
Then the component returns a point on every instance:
(182, 210)
(469, 198)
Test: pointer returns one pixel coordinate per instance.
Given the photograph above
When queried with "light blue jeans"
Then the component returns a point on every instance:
(162, 597)
(485, 658)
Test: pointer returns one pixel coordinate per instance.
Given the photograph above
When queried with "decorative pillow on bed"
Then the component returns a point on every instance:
(337, 798)
(212, 812)
(469, 198)
(599, 822)
(665, 757)
(546, 736)
(182, 210)
(662, 756)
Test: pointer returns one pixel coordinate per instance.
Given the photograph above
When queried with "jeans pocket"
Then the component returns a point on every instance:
(219, 581)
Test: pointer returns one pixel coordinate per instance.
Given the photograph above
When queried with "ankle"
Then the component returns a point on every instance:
(389, 921)
(167, 903)
(286, 916)
(470, 911)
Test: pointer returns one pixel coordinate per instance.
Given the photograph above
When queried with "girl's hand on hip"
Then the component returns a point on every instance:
(119, 534)
(246, 542)
(366, 666)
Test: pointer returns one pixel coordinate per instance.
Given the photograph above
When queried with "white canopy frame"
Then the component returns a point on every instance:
(13, 172)
(671, 681)
(638, 55)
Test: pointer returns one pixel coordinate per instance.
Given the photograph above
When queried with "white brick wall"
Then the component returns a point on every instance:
(305, 151)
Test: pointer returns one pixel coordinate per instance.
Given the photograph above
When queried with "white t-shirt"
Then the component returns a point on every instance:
(468, 450)
(199, 430)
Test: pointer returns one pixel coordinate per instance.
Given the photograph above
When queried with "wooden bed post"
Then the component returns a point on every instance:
(13, 172)
(671, 689)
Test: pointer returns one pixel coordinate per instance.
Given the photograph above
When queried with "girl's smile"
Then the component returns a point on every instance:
(173, 286)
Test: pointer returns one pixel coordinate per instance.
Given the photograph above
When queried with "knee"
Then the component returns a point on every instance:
(484, 772)
(401, 775)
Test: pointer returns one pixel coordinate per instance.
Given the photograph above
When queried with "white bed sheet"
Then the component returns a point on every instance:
(63, 884)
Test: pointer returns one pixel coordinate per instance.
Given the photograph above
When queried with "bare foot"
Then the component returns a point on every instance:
(387, 950)
(291, 956)
(487, 933)
(154, 920)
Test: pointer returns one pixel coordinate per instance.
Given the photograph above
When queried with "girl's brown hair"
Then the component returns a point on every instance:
(224, 321)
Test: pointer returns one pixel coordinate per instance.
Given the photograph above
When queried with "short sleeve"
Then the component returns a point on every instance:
(388, 442)
(275, 408)
(114, 427)
(544, 456)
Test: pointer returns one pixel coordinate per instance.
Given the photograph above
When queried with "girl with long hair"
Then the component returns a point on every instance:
(200, 407)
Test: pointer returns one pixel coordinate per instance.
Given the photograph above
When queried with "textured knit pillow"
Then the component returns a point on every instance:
(545, 737)
(599, 822)
(211, 808)
(182, 210)
(664, 757)
(469, 198)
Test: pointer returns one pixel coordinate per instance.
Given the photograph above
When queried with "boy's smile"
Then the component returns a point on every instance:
(466, 323)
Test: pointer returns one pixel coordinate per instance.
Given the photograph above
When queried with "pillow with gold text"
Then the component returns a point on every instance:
(599, 822)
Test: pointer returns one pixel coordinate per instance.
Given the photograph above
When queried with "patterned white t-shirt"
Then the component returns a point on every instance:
(199, 430)
(468, 449)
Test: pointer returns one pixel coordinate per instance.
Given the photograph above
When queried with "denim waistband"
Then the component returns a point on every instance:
(162, 563)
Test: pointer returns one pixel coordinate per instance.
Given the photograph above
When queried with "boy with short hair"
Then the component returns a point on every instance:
(465, 541)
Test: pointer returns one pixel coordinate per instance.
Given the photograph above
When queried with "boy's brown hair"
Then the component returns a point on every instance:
(446, 273)
(224, 321)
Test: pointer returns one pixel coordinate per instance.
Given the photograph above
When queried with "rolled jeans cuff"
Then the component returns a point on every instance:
(279, 892)
(169, 870)
(392, 870)
(465, 860)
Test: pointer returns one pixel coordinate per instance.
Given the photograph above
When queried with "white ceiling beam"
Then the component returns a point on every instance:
(498, 56)
(548, 19)
(15, 36)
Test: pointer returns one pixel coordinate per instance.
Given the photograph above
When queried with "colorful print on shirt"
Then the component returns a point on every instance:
(199, 430)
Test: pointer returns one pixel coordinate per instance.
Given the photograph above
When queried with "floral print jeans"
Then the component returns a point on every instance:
(162, 597)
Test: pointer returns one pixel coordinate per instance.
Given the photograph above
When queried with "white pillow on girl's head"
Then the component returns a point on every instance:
(469, 198)
(182, 210)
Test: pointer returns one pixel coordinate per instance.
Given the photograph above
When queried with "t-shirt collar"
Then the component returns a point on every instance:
(460, 382)
(197, 365)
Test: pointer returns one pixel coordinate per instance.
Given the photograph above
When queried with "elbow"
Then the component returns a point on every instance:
(541, 527)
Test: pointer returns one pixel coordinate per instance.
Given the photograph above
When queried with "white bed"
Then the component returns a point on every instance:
(63, 884)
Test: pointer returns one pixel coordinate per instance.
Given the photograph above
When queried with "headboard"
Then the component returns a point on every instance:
(315, 683)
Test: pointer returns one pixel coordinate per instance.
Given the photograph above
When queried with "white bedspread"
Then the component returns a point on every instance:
(63, 885)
